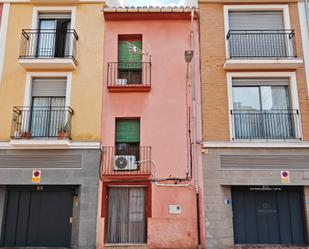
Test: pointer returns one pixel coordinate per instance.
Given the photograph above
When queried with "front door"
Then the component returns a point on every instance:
(37, 216)
(126, 215)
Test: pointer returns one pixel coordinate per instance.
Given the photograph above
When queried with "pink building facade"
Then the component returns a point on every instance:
(148, 192)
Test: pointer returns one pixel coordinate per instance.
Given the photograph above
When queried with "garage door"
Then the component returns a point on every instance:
(268, 215)
(37, 216)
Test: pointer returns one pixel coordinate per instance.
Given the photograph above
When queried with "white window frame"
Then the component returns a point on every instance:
(264, 7)
(292, 89)
(31, 75)
(53, 9)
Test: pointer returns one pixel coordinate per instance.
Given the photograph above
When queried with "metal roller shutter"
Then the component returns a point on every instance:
(49, 87)
(266, 20)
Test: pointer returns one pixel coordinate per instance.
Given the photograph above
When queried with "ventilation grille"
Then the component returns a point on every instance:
(255, 162)
(40, 161)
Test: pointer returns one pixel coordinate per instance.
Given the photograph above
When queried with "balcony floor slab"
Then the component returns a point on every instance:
(61, 143)
(47, 63)
(256, 64)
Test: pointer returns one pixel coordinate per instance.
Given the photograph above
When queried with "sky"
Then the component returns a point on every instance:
(155, 2)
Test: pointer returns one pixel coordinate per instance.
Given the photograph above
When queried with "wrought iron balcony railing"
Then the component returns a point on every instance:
(41, 122)
(131, 161)
(273, 124)
(48, 44)
(261, 43)
(133, 75)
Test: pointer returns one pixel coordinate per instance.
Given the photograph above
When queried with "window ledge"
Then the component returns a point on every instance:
(257, 144)
(61, 143)
(254, 63)
(47, 63)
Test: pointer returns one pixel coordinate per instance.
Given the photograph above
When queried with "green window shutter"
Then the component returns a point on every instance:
(127, 131)
(127, 58)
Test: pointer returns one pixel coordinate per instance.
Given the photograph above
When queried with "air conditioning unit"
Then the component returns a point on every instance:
(125, 163)
(121, 82)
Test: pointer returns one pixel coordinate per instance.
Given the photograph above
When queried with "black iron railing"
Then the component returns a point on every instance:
(261, 43)
(129, 74)
(274, 124)
(141, 155)
(48, 43)
(41, 122)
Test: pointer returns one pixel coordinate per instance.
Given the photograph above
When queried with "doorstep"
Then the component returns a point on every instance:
(267, 247)
(126, 246)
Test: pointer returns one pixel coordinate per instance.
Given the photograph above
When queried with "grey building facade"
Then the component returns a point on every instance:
(72, 171)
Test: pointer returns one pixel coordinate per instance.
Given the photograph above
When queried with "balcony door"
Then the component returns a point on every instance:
(262, 109)
(128, 137)
(257, 34)
(130, 59)
(53, 36)
(47, 112)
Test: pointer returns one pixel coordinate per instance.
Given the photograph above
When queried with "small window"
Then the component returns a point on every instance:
(128, 137)
(130, 59)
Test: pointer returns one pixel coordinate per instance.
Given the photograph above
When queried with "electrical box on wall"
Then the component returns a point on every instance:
(174, 209)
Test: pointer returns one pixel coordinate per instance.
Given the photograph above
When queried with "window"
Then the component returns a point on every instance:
(129, 59)
(259, 34)
(262, 109)
(47, 113)
(128, 137)
(264, 94)
(53, 35)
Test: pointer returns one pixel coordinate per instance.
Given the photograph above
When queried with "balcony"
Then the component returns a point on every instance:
(129, 76)
(48, 49)
(132, 162)
(266, 125)
(41, 125)
(262, 49)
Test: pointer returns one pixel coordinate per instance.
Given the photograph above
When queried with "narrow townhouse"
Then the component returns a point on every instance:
(255, 123)
(50, 124)
(149, 179)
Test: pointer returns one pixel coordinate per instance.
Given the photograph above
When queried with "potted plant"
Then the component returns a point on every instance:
(25, 135)
(62, 130)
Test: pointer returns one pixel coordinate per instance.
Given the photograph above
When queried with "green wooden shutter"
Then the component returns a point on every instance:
(127, 58)
(127, 131)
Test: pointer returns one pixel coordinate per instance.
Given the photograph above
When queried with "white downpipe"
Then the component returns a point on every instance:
(307, 14)
(3, 34)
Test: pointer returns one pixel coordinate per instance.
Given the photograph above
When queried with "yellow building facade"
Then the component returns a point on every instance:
(50, 126)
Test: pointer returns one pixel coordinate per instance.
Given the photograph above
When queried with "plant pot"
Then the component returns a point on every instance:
(61, 135)
(26, 135)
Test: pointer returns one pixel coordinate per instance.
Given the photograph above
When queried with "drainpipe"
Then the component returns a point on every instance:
(307, 13)
(195, 135)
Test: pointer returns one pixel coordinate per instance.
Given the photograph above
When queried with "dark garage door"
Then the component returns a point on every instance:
(37, 216)
(268, 215)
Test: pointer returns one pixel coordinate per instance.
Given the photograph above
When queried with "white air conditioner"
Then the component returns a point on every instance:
(125, 163)
(121, 82)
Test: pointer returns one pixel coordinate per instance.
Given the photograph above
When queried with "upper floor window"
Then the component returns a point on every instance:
(130, 72)
(259, 34)
(51, 37)
(128, 137)
(47, 116)
(130, 59)
(262, 109)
